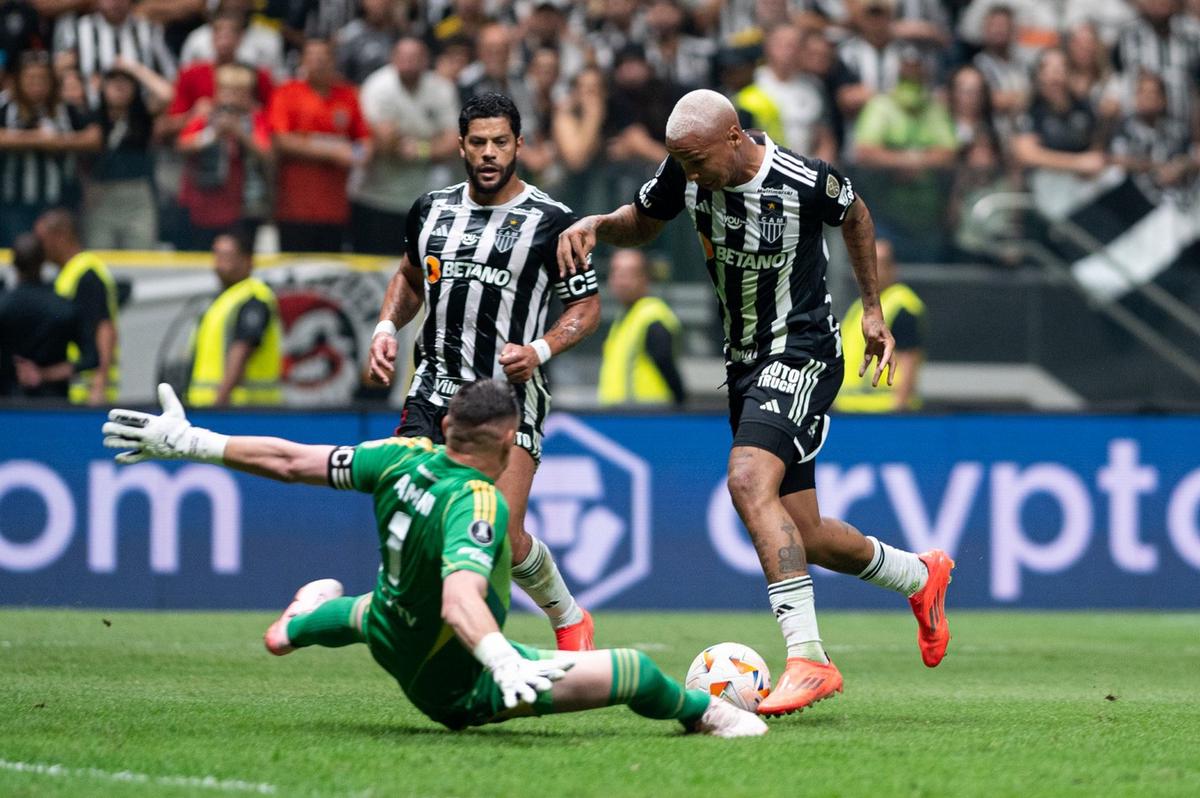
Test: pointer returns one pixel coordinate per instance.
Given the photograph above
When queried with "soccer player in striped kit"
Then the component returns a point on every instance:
(480, 256)
(759, 210)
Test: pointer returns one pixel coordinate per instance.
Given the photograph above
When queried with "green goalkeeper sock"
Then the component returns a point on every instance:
(336, 623)
(638, 682)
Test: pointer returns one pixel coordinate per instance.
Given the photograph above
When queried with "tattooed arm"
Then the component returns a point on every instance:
(578, 320)
(403, 299)
(624, 227)
(858, 231)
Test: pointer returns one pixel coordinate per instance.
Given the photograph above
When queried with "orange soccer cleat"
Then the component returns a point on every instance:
(804, 683)
(929, 605)
(578, 636)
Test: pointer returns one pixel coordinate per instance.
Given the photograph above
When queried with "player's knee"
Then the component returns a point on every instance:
(747, 487)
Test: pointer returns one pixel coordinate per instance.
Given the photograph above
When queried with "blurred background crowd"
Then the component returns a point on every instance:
(164, 122)
(312, 125)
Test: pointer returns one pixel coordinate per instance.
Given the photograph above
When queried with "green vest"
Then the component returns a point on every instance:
(65, 285)
(764, 110)
(260, 383)
(627, 374)
(857, 394)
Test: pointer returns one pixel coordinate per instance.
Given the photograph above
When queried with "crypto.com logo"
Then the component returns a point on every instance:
(590, 503)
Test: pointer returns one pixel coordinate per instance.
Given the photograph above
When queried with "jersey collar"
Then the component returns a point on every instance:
(755, 183)
(512, 203)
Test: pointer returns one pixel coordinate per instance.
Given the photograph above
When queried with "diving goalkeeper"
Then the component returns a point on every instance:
(433, 621)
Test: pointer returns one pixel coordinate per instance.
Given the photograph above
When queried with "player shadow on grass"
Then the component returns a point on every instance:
(492, 733)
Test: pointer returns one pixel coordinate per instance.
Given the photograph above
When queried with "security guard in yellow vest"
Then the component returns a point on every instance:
(642, 344)
(85, 280)
(238, 347)
(904, 313)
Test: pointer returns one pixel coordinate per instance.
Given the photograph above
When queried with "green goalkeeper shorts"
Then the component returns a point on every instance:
(447, 684)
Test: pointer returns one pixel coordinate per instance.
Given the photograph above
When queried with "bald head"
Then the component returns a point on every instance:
(702, 113)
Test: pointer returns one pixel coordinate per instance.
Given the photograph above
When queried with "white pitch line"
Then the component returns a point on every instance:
(129, 777)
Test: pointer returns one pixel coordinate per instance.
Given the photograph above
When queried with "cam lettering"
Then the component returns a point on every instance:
(749, 260)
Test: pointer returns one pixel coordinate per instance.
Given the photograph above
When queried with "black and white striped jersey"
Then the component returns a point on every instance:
(765, 250)
(97, 43)
(489, 271)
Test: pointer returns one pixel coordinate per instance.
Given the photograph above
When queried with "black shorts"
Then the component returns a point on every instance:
(782, 405)
(423, 419)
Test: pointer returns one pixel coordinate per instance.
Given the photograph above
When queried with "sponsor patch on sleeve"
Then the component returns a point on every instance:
(481, 532)
(832, 187)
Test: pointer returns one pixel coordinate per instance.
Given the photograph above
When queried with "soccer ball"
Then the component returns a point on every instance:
(732, 671)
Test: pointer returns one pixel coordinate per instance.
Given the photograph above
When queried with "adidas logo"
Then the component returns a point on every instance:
(782, 608)
(771, 406)
(442, 231)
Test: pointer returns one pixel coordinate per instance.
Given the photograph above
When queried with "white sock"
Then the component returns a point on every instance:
(894, 569)
(538, 576)
(792, 601)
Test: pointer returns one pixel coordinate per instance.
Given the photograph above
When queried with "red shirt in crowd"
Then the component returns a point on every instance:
(199, 82)
(219, 206)
(312, 191)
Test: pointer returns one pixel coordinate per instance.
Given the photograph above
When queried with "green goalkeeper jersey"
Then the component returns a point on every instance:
(434, 516)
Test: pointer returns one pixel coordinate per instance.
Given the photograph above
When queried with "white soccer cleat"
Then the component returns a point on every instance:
(307, 599)
(723, 719)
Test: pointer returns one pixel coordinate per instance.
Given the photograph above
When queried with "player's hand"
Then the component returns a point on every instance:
(169, 436)
(520, 680)
(519, 362)
(575, 244)
(880, 344)
(382, 366)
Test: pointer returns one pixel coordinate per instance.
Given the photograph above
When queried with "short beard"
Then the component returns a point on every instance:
(505, 176)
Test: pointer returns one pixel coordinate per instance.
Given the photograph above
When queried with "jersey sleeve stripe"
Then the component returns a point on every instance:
(784, 158)
(484, 494)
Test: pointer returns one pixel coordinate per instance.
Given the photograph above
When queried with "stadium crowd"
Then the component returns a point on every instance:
(168, 122)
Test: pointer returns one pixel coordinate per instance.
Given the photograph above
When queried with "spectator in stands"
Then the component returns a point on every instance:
(40, 139)
(316, 19)
(319, 135)
(196, 85)
(621, 26)
(492, 69)
(178, 18)
(539, 155)
(873, 55)
(237, 357)
(466, 20)
(1038, 24)
(36, 327)
(1167, 42)
(84, 280)
(734, 68)
(413, 115)
(1156, 148)
(545, 26)
(365, 44)
(744, 23)
(906, 137)
(641, 350)
(979, 166)
(1059, 131)
(638, 106)
(1008, 78)
(227, 150)
(677, 57)
(904, 313)
(452, 57)
(923, 22)
(579, 121)
(245, 39)
(120, 210)
(781, 91)
(19, 31)
(1088, 70)
(113, 30)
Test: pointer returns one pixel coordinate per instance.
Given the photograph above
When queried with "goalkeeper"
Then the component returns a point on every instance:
(433, 621)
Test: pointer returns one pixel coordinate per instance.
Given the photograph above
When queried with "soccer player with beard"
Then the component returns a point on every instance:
(480, 256)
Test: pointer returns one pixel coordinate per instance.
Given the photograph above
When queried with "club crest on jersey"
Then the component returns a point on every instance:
(508, 234)
(771, 223)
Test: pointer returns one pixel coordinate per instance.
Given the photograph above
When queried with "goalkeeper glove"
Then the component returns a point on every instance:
(168, 436)
(519, 679)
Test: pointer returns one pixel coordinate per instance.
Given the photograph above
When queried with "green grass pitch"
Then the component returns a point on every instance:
(119, 703)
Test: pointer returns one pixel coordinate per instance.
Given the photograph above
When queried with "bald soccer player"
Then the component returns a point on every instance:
(760, 210)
